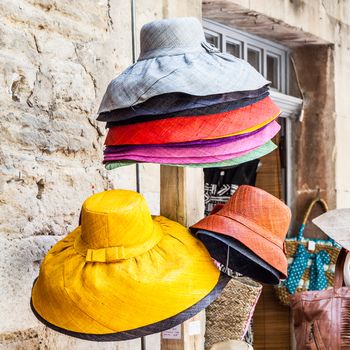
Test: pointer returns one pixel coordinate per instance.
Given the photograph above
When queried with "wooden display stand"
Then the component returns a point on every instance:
(271, 322)
(182, 200)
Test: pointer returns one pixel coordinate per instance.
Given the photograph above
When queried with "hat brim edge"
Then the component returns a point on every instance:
(146, 330)
(240, 232)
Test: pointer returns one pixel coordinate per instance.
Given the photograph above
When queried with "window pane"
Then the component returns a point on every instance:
(233, 49)
(254, 58)
(212, 39)
(272, 70)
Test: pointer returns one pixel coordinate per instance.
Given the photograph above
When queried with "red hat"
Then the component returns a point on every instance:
(191, 128)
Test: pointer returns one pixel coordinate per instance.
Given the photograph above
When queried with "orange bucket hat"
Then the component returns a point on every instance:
(258, 220)
(191, 128)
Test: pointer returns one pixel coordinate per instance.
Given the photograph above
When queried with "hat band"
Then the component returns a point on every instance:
(117, 253)
(261, 231)
(110, 254)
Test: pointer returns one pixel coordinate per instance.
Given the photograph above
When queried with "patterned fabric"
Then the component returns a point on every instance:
(297, 269)
(220, 184)
(318, 280)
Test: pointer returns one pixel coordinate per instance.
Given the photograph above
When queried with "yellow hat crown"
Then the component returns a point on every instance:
(116, 225)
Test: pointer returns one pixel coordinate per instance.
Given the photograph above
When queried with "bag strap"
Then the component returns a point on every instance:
(324, 205)
(339, 267)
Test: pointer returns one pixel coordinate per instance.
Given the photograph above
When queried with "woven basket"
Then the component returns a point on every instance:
(228, 317)
(232, 345)
(291, 247)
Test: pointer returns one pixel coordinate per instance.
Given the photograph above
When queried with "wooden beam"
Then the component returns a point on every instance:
(182, 200)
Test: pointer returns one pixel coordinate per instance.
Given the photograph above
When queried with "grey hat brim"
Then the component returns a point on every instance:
(202, 111)
(240, 258)
(199, 74)
(178, 103)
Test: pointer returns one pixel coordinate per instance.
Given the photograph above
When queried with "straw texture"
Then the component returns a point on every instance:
(177, 102)
(207, 142)
(304, 265)
(213, 109)
(229, 316)
(220, 149)
(255, 154)
(232, 345)
(147, 330)
(184, 129)
(97, 279)
(180, 160)
(303, 285)
(258, 220)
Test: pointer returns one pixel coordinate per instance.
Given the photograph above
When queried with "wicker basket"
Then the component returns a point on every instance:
(228, 317)
(291, 247)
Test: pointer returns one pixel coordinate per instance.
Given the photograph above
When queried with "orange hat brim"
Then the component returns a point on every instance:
(256, 239)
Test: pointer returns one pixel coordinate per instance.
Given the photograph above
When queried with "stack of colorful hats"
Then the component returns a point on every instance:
(184, 103)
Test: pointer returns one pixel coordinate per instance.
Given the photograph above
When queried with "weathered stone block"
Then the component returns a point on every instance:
(19, 265)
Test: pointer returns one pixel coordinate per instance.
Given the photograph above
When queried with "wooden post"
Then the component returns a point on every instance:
(182, 200)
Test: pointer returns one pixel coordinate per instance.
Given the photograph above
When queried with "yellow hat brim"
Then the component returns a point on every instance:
(105, 298)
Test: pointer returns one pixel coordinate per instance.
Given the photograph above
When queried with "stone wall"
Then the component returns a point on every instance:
(57, 58)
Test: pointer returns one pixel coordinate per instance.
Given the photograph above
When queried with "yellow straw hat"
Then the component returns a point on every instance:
(123, 274)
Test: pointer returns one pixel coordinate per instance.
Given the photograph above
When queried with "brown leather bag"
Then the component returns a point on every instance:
(322, 318)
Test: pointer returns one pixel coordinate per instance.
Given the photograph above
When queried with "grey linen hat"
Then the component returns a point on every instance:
(176, 58)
